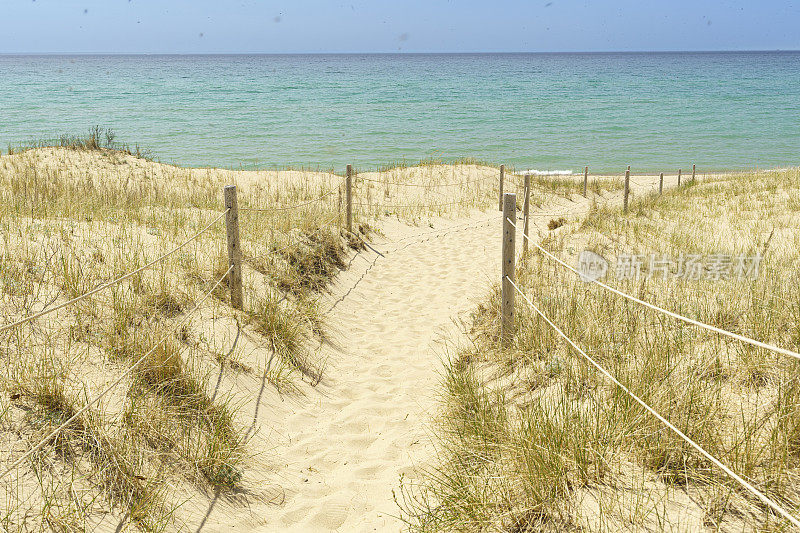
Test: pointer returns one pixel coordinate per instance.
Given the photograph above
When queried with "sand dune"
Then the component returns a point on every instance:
(342, 451)
(333, 457)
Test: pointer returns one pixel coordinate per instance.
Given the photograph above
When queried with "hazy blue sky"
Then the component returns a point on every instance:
(197, 26)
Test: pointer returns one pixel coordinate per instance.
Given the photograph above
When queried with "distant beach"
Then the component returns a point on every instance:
(654, 111)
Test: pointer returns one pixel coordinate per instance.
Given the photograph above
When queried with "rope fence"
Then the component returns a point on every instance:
(735, 336)
(427, 186)
(324, 225)
(233, 275)
(509, 289)
(117, 381)
(111, 283)
(279, 209)
(349, 202)
(508, 204)
(231, 214)
(763, 498)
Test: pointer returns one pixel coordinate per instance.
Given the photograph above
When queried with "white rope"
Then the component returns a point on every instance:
(688, 320)
(767, 501)
(407, 206)
(110, 283)
(117, 381)
(565, 214)
(297, 241)
(290, 207)
(432, 185)
(427, 235)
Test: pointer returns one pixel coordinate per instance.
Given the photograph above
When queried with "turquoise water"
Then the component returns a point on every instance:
(654, 111)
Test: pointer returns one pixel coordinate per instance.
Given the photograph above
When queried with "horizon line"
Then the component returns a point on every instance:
(396, 53)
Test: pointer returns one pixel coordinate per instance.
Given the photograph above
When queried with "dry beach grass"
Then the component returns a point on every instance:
(76, 217)
(177, 431)
(533, 438)
(306, 408)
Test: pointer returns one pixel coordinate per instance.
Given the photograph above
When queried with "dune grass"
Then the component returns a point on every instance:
(98, 138)
(81, 214)
(83, 210)
(533, 439)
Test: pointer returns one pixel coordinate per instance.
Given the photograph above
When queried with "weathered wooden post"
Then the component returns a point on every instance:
(509, 268)
(339, 219)
(661, 183)
(349, 197)
(627, 191)
(525, 209)
(679, 177)
(502, 176)
(234, 250)
(585, 180)
(694, 168)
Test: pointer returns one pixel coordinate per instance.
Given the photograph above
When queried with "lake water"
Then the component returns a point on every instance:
(654, 111)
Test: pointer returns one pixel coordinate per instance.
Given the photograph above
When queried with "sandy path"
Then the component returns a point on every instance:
(368, 423)
(340, 450)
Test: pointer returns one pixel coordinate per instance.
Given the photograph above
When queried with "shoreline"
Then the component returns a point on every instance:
(397, 165)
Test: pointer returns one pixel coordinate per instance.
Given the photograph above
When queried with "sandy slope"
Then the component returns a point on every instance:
(339, 452)
(331, 457)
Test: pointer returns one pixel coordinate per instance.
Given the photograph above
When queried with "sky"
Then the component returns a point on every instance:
(308, 26)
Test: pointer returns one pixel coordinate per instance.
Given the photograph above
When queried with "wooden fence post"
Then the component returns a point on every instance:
(502, 176)
(694, 168)
(585, 180)
(627, 191)
(234, 250)
(661, 183)
(679, 177)
(349, 197)
(525, 209)
(509, 268)
(339, 219)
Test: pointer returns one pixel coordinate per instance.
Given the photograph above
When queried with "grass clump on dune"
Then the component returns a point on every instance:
(288, 331)
(534, 438)
(82, 214)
